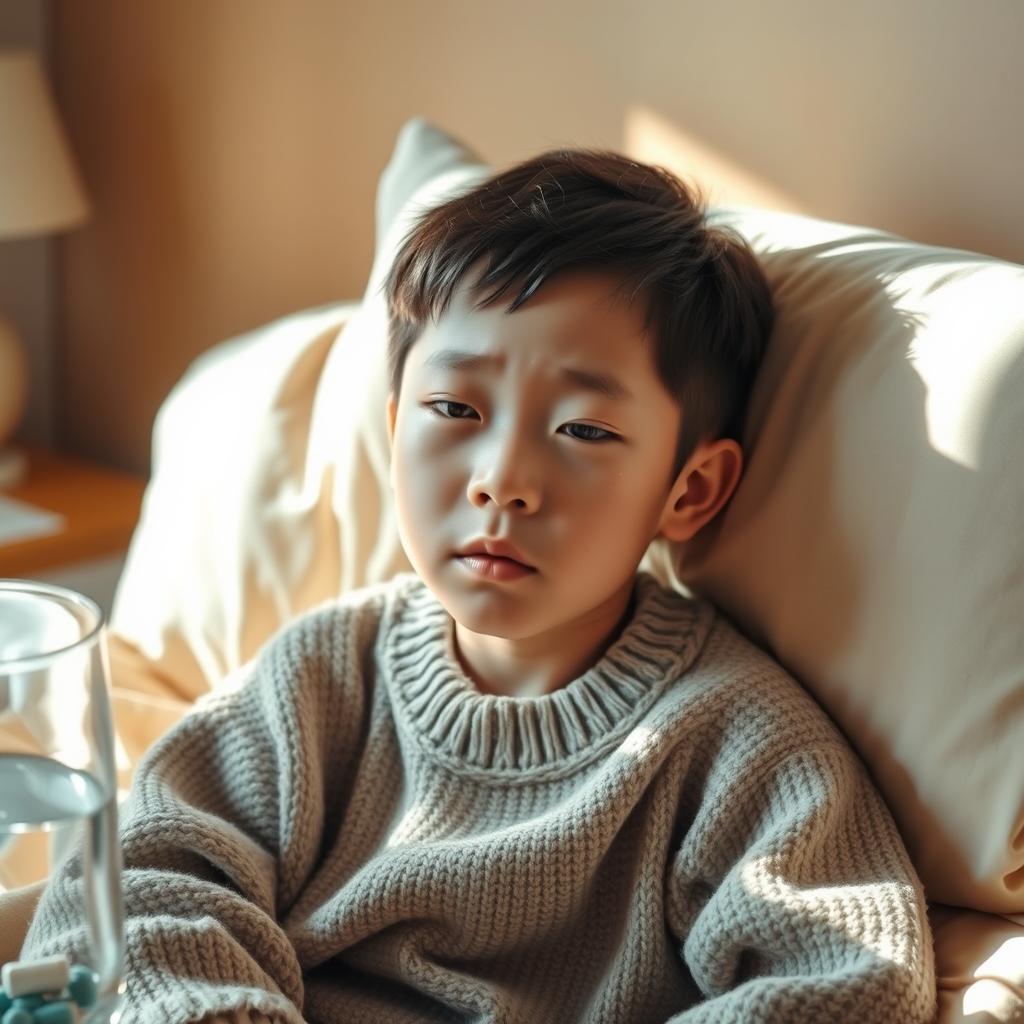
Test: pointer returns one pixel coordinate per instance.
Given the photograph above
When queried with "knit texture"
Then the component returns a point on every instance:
(350, 831)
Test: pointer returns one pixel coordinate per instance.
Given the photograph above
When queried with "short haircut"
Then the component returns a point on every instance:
(708, 301)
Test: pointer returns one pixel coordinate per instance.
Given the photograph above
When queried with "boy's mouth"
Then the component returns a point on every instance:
(495, 568)
(494, 549)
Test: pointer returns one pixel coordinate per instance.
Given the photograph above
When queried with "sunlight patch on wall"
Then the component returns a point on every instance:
(649, 137)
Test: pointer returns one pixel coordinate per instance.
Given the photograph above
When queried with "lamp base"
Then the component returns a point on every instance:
(13, 467)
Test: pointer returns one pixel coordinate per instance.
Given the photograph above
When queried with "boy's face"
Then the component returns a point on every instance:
(515, 449)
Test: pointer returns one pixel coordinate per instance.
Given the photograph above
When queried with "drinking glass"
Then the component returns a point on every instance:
(58, 784)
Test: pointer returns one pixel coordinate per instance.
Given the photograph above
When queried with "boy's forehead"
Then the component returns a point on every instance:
(575, 313)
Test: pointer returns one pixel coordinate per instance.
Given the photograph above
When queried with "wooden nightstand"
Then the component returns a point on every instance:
(99, 506)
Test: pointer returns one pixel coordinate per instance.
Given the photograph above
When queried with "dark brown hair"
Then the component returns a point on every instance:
(707, 297)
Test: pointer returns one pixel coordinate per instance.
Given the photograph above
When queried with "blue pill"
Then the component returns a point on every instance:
(16, 1015)
(82, 986)
(57, 1012)
(5, 1001)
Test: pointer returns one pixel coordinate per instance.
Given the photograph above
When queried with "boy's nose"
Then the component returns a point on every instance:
(506, 481)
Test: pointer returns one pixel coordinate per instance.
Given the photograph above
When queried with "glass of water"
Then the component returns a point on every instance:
(58, 783)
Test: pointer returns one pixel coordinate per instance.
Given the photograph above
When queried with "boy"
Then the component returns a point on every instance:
(526, 783)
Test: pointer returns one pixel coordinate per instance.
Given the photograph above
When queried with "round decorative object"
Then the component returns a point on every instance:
(13, 380)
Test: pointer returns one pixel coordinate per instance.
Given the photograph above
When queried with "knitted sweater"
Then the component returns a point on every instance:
(350, 831)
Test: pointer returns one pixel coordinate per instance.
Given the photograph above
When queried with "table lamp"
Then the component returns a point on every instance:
(40, 192)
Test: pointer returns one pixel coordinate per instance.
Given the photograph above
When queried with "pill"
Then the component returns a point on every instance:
(5, 1002)
(16, 1015)
(82, 987)
(56, 1012)
(28, 977)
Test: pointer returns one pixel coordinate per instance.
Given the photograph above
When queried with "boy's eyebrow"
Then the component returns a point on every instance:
(456, 359)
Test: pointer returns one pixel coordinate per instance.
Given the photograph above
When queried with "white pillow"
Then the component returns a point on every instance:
(269, 488)
(874, 544)
(231, 539)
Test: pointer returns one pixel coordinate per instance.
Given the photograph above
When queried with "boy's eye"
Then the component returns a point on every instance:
(590, 433)
(445, 415)
(595, 433)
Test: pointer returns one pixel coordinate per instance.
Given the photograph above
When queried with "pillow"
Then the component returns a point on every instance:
(218, 556)
(269, 489)
(873, 545)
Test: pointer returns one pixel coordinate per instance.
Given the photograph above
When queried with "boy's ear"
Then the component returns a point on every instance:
(702, 488)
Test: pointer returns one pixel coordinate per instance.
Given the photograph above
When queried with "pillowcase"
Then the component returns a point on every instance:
(873, 545)
(269, 492)
(223, 551)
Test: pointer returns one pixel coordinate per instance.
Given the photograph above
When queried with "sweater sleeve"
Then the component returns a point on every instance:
(214, 805)
(793, 899)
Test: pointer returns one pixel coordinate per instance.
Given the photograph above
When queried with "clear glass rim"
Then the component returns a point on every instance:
(62, 594)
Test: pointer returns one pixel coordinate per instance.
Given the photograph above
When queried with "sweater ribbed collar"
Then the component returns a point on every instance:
(442, 711)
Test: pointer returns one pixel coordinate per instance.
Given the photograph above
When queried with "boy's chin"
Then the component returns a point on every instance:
(489, 608)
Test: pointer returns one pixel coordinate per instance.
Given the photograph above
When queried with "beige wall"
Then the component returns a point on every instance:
(232, 147)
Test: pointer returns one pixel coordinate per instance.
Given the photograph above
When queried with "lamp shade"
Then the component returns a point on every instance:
(40, 190)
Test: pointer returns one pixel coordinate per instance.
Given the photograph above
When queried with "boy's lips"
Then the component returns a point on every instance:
(494, 547)
(491, 568)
